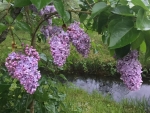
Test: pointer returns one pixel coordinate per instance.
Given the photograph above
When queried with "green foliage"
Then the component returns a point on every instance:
(2, 27)
(97, 9)
(122, 33)
(22, 26)
(123, 10)
(143, 21)
(21, 3)
(40, 3)
(61, 10)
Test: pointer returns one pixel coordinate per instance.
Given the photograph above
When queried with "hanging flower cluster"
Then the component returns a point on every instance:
(24, 67)
(130, 69)
(60, 48)
(79, 38)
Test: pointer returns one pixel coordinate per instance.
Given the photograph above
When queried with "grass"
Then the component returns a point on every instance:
(83, 102)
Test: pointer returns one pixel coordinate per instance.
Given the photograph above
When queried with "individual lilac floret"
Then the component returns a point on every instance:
(79, 38)
(130, 69)
(60, 48)
(24, 67)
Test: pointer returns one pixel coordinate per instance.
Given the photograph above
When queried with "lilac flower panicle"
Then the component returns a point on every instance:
(79, 38)
(130, 69)
(60, 48)
(24, 67)
(28, 75)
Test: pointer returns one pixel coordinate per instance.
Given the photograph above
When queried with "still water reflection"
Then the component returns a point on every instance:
(112, 86)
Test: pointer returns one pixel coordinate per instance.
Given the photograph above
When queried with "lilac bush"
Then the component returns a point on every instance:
(130, 69)
(79, 38)
(24, 67)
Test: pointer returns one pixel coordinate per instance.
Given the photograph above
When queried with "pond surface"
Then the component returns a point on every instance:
(112, 86)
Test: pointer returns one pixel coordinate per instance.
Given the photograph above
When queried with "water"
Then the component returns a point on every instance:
(112, 86)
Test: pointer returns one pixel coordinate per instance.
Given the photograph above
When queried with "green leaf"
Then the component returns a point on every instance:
(82, 17)
(142, 22)
(23, 26)
(102, 22)
(97, 9)
(59, 7)
(140, 3)
(136, 9)
(143, 47)
(63, 77)
(20, 16)
(43, 57)
(50, 106)
(136, 44)
(2, 27)
(4, 87)
(147, 42)
(123, 10)
(66, 16)
(41, 95)
(21, 3)
(40, 3)
(9, 19)
(121, 52)
(122, 33)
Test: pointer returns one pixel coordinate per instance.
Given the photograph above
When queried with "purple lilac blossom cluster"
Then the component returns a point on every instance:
(24, 67)
(79, 38)
(130, 69)
(60, 48)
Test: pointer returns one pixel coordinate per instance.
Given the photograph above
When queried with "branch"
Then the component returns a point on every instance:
(32, 107)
